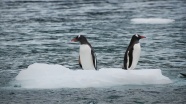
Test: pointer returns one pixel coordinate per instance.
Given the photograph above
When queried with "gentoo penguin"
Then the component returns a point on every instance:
(87, 57)
(132, 53)
(183, 74)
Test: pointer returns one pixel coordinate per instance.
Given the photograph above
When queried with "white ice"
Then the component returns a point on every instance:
(151, 21)
(57, 76)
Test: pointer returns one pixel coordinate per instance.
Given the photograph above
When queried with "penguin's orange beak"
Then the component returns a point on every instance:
(142, 37)
(74, 40)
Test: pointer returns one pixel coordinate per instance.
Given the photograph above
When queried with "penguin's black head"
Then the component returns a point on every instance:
(82, 39)
(138, 37)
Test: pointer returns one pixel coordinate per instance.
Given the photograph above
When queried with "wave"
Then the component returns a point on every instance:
(151, 21)
(46, 76)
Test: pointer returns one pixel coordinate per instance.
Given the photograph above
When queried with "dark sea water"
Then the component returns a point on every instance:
(39, 31)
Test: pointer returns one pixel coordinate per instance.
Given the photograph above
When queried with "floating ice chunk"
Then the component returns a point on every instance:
(57, 76)
(151, 21)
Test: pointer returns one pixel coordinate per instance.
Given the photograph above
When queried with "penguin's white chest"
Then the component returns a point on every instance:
(136, 55)
(86, 57)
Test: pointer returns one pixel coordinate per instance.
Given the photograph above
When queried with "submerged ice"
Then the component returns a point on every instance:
(57, 76)
(151, 21)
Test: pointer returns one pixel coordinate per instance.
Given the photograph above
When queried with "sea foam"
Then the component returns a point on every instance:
(151, 21)
(57, 76)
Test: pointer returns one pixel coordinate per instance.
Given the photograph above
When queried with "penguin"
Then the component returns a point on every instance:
(87, 56)
(183, 75)
(132, 53)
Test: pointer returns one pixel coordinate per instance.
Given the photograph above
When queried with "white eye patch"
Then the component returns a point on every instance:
(136, 35)
(79, 36)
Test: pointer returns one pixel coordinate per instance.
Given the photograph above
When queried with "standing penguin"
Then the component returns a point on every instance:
(87, 57)
(132, 53)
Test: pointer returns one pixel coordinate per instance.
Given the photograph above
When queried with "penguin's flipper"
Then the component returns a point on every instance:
(130, 54)
(94, 59)
(125, 61)
(80, 62)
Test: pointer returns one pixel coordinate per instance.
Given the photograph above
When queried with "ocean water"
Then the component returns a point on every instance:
(39, 31)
